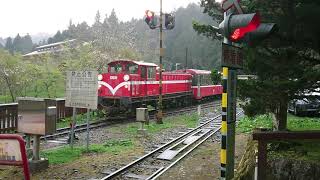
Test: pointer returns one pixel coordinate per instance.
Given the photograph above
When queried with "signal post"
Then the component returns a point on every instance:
(151, 20)
(237, 28)
(159, 116)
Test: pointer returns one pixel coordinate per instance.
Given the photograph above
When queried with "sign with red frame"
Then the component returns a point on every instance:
(13, 152)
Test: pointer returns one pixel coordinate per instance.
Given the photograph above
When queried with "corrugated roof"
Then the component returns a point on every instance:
(55, 44)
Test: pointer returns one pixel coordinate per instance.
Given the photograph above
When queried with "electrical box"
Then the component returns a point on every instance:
(142, 115)
(37, 116)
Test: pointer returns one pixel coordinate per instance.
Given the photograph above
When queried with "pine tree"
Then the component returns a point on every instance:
(9, 45)
(97, 18)
(27, 44)
(287, 64)
(17, 43)
(57, 37)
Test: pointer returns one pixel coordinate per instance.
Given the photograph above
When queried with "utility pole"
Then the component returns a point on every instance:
(151, 20)
(186, 59)
(159, 117)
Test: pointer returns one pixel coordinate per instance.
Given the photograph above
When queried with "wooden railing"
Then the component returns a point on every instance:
(265, 137)
(8, 117)
(9, 114)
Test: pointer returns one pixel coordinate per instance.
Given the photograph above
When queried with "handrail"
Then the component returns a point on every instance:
(265, 137)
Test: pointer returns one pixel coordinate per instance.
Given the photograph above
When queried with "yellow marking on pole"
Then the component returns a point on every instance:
(223, 156)
(224, 127)
(225, 72)
(224, 99)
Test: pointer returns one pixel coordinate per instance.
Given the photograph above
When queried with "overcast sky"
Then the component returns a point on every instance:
(34, 16)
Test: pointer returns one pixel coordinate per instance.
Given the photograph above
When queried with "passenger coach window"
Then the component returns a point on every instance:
(151, 72)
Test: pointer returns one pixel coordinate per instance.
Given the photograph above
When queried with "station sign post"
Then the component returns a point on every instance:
(13, 152)
(81, 92)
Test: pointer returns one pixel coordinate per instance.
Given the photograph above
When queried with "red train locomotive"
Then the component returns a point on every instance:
(129, 84)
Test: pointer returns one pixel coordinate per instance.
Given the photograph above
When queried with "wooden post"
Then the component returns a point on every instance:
(262, 159)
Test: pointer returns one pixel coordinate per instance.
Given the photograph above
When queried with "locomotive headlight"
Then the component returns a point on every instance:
(126, 77)
(100, 77)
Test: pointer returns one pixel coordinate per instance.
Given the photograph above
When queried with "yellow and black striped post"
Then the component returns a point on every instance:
(223, 153)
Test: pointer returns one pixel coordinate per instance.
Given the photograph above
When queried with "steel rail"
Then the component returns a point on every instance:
(81, 127)
(153, 177)
(124, 168)
(184, 155)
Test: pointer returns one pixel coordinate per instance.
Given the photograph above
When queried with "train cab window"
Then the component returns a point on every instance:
(115, 68)
(143, 71)
(151, 72)
(195, 80)
(132, 68)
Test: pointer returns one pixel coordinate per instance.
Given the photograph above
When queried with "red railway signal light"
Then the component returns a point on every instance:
(235, 27)
(261, 33)
(150, 19)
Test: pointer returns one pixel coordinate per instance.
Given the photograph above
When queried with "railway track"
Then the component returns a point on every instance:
(154, 164)
(101, 123)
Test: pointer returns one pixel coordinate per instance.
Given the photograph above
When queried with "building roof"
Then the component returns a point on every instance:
(55, 44)
(49, 48)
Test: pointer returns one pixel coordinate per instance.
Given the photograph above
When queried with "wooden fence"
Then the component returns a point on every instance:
(9, 114)
(265, 137)
(8, 117)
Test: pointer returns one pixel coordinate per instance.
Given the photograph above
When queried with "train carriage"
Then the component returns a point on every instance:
(128, 84)
(202, 87)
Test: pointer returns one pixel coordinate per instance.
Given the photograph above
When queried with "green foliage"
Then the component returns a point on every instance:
(247, 124)
(19, 44)
(303, 123)
(37, 78)
(304, 150)
(112, 39)
(80, 119)
(66, 154)
(202, 52)
(215, 76)
(287, 64)
(189, 121)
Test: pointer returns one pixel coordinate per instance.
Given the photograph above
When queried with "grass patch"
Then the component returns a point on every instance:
(171, 122)
(66, 154)
(303, 123)
(304, 150)
(80, 119)
(246, 124)
(5, 99)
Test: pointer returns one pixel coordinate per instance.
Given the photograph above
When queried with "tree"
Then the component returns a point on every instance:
(215, 76)
(287, 64)
(27, 44)
(11, 69)
(57, 37)
(9, 45)
(17, 43)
